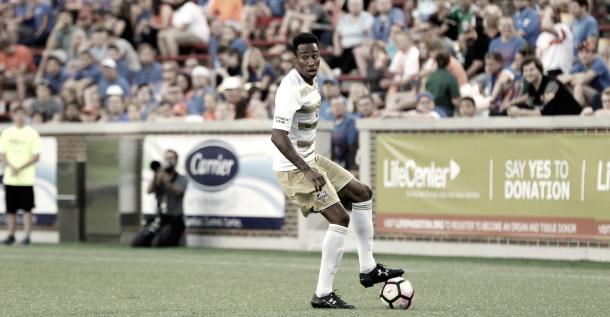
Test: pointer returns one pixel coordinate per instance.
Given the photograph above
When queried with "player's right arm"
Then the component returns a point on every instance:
(282, 142)
(286, 105)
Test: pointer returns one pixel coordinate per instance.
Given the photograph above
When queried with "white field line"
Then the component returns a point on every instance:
(314, 266)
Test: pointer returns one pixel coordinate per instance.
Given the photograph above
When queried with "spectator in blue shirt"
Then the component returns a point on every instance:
(498, 83)
(276, 7)
(584, 26)
(386, 17)
(508, 44)
(330, 89)
(344, 141)
(114, 110)
(35, 31)
(110, 76)
(527, 22)
(89, 70)
(52, 72)
(589, 77)
(151, 72)
(121, 64)
(224, 35)
(99, 43)
(201, 87)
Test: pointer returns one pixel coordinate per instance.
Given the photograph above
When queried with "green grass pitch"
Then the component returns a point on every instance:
(113, 280)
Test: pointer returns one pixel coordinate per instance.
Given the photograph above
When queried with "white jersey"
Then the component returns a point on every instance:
(297, 109)
(556, 52)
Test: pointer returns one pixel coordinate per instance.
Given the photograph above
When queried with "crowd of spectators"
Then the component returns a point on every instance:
(202, 60)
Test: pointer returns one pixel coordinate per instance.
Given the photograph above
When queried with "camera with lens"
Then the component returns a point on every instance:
(156, 166)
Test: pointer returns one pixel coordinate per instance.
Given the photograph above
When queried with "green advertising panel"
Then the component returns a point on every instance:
(506, 184)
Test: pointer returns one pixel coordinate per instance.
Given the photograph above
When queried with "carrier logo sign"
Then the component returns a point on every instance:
(212, 165)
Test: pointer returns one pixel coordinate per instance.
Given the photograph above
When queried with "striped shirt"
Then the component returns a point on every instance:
(297, 110)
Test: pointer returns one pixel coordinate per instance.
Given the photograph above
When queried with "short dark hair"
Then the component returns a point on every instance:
(582, 3)
(289, 47)
(223, 49)
(442, 59)
(143, 85)
(496, 56)
(527, 51)
(18, 108)
(55, 58)
(173, 152)
(99, 29)
(304, 38)
(532, 59)
(469, 99)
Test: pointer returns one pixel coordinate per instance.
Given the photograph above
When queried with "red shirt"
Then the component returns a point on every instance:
(21, 56)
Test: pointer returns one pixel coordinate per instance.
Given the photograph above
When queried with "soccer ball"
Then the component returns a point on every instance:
(397, 293)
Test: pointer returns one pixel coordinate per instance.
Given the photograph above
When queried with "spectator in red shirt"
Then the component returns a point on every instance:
(16, 65)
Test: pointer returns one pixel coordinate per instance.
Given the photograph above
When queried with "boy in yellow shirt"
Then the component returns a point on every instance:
(19, 151)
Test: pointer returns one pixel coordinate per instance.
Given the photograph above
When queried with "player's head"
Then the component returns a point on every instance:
(425, 102)
(171, 158)
(467, 107)
(307, 55)
(532, 69)
(579, 8)
(19, 115)
(493, 62)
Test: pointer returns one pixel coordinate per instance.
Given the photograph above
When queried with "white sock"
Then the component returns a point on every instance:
(362, 218)
(332, 252)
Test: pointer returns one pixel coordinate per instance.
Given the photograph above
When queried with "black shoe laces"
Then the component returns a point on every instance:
(335, 295)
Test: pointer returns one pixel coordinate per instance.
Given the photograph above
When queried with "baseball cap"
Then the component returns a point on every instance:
(109, 62)
(200, 71)
(425, 94)
(331, 80)
(230, 83)
(114, 90)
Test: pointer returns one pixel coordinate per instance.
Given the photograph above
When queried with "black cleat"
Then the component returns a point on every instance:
(331, 300)
(379, 274)
(24, 242)
(9, 240)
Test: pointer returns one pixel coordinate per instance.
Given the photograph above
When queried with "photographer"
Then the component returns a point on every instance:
(167, 227)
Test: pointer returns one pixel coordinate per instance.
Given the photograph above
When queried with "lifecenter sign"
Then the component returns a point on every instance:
(554, 185)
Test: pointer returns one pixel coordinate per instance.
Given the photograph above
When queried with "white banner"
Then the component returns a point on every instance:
(231, 181)
(45, 187)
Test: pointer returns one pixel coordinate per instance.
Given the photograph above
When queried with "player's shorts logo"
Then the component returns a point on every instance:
(212, 165)
(321, 195)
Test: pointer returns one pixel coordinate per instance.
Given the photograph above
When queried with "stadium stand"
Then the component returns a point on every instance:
(64, 43)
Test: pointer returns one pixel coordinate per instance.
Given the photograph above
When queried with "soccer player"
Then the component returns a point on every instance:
(19, 151)
(315, 183)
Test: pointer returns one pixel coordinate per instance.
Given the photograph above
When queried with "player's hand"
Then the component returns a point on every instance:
(587, 111)
(165, 178)
(513, 111)
(315, 178)
(15, 170)
(505, 106)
